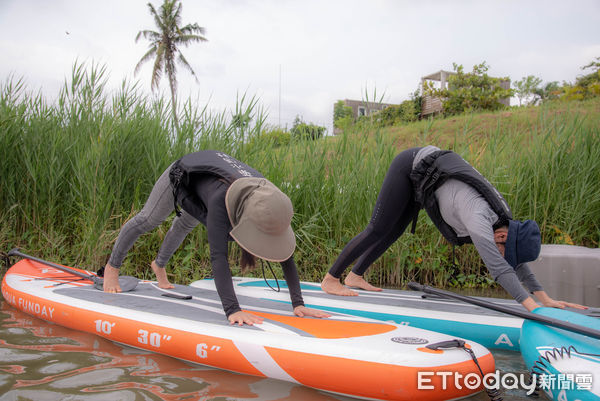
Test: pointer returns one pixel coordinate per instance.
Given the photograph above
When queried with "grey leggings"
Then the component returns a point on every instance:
(157, 208)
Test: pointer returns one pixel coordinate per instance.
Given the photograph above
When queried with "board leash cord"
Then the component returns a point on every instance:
(540, 366)
(494, 394)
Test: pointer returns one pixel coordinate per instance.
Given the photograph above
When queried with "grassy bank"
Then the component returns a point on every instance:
(74, 170)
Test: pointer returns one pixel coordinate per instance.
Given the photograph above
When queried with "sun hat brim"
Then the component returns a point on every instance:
(274, 248)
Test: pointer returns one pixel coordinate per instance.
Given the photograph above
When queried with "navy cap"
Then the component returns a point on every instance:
(523, 243)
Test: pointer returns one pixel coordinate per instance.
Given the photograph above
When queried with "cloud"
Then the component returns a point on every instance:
(326, 50)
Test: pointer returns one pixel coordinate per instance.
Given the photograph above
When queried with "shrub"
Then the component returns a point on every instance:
(302, 130)
(274, 137)
(342, 115)
(472, 91)
(404, 112)
(586, 86)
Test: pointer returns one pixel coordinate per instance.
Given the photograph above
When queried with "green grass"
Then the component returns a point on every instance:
(73, 171)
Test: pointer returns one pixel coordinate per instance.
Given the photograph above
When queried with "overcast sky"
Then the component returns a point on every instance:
(326, 50)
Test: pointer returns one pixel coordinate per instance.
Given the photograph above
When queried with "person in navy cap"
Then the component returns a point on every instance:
(464, 206)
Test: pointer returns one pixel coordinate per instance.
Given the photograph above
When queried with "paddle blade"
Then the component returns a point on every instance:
(127, 283)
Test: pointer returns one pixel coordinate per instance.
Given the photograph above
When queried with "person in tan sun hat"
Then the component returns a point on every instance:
(235, 203)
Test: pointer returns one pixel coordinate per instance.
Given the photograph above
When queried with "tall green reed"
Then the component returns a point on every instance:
(72, 172)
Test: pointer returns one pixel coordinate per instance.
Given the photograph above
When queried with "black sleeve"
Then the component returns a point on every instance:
(218, 227)
(293, 281)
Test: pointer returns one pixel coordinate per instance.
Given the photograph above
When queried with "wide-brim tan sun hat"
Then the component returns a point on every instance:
(261, 216)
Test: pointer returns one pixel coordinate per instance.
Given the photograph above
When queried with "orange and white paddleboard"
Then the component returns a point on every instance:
(343, 354)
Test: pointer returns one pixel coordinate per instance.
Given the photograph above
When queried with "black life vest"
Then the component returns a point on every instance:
(191, 166)
(433, 170)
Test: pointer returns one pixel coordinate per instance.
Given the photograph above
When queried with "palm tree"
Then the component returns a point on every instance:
(165, 43)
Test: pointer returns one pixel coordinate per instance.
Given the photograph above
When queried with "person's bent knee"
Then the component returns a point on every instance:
(374, 231)
(145, 223)
(185, 223)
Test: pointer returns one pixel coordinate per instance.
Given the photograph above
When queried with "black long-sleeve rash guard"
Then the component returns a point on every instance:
(211, 190)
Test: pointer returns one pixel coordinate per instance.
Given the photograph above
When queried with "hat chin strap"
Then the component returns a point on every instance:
(262, 266)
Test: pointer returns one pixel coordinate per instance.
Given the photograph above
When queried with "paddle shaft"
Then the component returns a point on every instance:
(16, 252)
(561, 324)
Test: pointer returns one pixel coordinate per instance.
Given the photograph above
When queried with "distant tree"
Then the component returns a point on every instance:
(594, 64)
(570, 92)
(342, 114)
(270, 137)
(526, 87)
(302, 130)
(396, 114)
(586, 86)
(594, 76)
(471, 91)
(417, 100)
(591, 81)
(165, 45)
(550, 91)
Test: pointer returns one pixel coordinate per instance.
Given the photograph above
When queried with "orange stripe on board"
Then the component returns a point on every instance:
(328, 328)
(375, 380)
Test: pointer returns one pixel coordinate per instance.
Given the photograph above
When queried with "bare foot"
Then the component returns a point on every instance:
(354, 280)
(332, 285)
(111, 279)
(161, 276)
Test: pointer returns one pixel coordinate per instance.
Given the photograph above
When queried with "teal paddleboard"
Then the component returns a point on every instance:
(566, 365)
(412, 308)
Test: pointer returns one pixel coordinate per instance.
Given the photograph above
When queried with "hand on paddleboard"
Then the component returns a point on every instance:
(242, 317)
(302, 311)
(563, 304)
